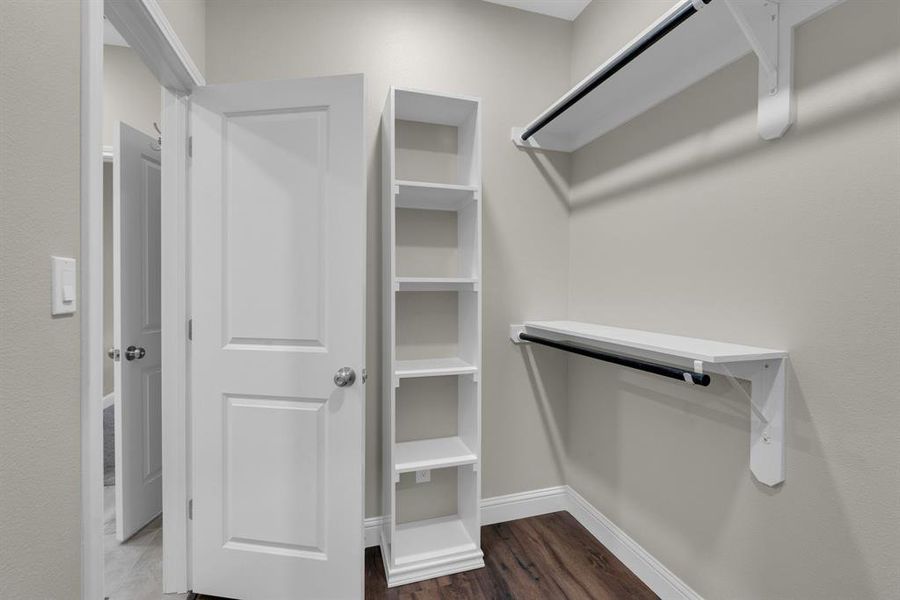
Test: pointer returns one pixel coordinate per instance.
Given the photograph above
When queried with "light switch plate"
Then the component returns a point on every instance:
(63, 285)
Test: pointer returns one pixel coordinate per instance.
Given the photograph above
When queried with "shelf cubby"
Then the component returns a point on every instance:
(436, 423)
(432, 338)
(437, 243)
(444, 530)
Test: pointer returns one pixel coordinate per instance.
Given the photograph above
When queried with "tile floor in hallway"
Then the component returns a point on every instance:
(133, 569)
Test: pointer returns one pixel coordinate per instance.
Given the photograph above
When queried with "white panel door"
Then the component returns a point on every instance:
(278, 305)
(136, 330)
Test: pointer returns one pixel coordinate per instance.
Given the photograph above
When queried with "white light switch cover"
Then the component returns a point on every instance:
(63, 280)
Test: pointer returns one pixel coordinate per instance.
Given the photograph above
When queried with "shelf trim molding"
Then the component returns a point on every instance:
(764, 368)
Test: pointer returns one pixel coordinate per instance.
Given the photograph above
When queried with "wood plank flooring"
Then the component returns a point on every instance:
(540, 558)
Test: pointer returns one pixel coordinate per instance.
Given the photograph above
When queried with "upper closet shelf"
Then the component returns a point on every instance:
(690, 42)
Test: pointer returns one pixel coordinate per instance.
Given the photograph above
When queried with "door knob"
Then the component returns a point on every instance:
(344, 377)
(134, 352)
(113, 353)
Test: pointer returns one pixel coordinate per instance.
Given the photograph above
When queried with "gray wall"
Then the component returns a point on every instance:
(131, 93)
(188, 20)
(40, 468)
(684, 222)
(465, 47)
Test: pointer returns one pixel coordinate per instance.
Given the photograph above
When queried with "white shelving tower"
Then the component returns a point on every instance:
(438, 545)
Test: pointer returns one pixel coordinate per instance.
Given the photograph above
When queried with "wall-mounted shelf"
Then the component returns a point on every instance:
(631, 340)
(432, 243)
(688, 43)
(763, 367)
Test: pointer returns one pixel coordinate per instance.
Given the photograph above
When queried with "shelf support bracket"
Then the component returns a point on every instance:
(772, 40)
(767, 415)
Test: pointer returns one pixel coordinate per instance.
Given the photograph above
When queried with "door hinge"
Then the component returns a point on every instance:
(190, 329)
(191, 509)
(190, 146)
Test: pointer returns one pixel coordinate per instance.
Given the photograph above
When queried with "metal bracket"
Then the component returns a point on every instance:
(772, 40)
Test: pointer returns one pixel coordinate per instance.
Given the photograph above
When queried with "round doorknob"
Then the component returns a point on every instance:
(134, 353)
(344, 377)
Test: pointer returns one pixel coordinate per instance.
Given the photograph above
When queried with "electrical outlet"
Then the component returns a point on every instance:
(423, 476)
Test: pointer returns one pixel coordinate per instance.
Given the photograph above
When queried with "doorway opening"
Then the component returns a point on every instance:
(134, 366)
(132, 373)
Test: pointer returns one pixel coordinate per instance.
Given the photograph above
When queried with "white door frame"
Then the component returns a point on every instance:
(145, 27)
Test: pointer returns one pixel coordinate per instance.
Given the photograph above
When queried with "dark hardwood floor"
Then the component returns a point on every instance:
(545, 557)
(541, 558)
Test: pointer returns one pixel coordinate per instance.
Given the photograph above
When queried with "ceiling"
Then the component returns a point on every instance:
(561, 9)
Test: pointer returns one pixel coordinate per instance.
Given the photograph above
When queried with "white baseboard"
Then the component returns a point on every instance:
(109, 399)
(648, 569)
(510, 507)
(372, 531)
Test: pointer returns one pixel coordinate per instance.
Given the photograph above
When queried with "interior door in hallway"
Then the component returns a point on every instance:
(136, 330)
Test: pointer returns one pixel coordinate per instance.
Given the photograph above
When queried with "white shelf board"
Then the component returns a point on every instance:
(431, 107)
(436, 284)
(436, 453)
(648, 341)
(433, 367)
(698, 47)
(422, 540)
(434, 196)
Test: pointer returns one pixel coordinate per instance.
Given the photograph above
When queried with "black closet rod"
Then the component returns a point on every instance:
(666, 371)
(652, 36)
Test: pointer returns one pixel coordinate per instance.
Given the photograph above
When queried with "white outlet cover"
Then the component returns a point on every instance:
(423, 476)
